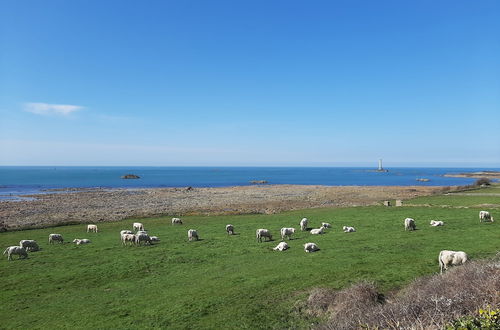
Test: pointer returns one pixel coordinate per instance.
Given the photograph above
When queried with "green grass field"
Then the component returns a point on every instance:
(228, 281)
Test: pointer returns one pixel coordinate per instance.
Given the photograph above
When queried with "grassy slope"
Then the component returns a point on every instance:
(221, 281)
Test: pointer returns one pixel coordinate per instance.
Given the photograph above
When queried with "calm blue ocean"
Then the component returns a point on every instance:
(17, 180)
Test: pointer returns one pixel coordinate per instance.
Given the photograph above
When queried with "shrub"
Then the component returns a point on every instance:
(483, 181)
(485, 319)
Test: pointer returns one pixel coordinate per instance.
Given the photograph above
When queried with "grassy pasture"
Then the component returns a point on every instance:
(226, 281)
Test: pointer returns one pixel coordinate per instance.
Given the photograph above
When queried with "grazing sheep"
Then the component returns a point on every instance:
(410, 224)
(125, 232)
(55, 238)
(141, 232)
(15, 250)
(311, 247)
(485, 216)
(29, 244)
(138, 226)
(140, 238)
(128, 238)
(176, 221)
(81, 241)
(230, 229)
(317, 231)
(192, 235)
(154, 238)
(326, 225)
(260, 233)
(281, 247)
(287, 232)
(347, 229)
(453, 258)
(92, 228)
(436, 223)
(303, 224)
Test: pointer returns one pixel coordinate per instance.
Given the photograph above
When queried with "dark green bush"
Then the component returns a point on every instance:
(483, 181)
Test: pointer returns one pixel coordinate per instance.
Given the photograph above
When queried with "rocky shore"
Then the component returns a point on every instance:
(98, 205)
(475, 175)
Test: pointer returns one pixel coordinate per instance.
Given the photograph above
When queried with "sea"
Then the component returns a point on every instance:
(16, 181)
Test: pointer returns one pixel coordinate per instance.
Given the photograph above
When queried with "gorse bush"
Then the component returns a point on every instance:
(487, 318)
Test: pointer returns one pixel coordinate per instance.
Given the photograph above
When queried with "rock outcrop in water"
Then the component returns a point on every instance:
(130, 176)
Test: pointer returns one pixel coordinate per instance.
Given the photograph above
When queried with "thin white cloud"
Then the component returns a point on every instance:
(51, 109)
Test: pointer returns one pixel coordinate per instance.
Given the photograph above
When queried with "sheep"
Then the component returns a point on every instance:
(81, 241)
(29, 244)
(311, 247)
(125, 232)
(303, 224)
(141, 232)
(55, 237)
(326, 225)
(317, 231)
(281, 247)
(128, 238)
(139, 238)
(138, 226)
(176, 221)
(453, 258)
(18, 250)
(154, 238)
(192, 235)
(347, 229)
(436, 223)
(485, 216)
(230, 229)
(260, 233)
(410, 224)
(287, 232)
(92, 228)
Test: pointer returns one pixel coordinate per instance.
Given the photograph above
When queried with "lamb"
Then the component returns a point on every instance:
(139, 238)
(410, 224)
(79, 241)
(303, 224)
(281, 247)
(485, 216)
(128, 238)
(326, 225)
(154, 238)
(176, 221)
(347, 229)
(260, 233)
(15, 250)
(311, 247)
(230, 229)
(192, 235)
(138, 226)
(92, 228)
(317, 231)
(29, 244)
(436, 223)
(287, 232)
(55, 238)
(453, 258)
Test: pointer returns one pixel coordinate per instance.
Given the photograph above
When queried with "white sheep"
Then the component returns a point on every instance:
(29, 245)
(154, 238)
(261, 233)
(92, 228)
(15, 250)
(485, 216)
(128, 238)
(55, 238)
(453, 258)
(311, 247)
(282, 246)
(287, 232)
(326, 225)
(81, 241)
(303, 224)
(138, 226)
(318, 231)
(139, 238)
(436, 223)
(192, 235)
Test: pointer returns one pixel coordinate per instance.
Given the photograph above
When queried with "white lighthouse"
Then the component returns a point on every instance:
(380, 168)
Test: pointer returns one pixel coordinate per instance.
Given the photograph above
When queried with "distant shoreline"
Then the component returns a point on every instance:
(475, 175)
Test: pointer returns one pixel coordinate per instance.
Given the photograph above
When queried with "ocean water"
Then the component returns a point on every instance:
(17, 180)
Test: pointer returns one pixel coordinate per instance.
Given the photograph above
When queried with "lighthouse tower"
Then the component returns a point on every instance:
(380, 168)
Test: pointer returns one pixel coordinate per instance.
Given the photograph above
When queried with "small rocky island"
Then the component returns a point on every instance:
(258, 181)
(130, 176)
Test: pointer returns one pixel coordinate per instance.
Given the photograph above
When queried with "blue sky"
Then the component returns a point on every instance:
(285, 83)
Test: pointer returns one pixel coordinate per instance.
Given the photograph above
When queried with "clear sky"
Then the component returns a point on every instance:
(286, 83)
